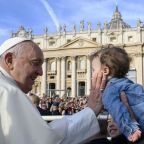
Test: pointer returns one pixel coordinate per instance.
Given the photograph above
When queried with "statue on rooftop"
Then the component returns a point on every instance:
(82, 25)
(89, 26)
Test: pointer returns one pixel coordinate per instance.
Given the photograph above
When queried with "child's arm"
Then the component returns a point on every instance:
(119, 112)
(137, 134)
(124, 100)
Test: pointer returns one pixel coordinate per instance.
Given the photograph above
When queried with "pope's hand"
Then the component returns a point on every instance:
(94, 99)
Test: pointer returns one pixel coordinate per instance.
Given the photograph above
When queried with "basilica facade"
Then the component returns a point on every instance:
(67, 63)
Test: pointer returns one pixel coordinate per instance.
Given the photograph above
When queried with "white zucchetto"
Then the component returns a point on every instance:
(8, 44)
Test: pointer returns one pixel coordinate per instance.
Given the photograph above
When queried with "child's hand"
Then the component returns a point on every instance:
(135, 136)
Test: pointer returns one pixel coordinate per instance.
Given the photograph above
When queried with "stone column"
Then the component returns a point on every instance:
(58, 86)
(77, 85)
(88, 75)
(44, 78)
(138, 66)
(122, 36)
(63, 77)
(73, 77)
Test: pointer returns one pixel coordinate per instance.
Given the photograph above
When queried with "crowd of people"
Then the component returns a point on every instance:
(56, 105)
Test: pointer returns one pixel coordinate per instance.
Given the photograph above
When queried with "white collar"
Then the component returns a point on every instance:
(6, 74)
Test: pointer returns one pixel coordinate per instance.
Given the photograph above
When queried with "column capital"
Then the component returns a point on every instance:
(88, 56)
(58, 58)
(63, 57)
(73, 57)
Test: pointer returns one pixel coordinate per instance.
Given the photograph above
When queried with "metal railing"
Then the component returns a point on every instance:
(51, 118)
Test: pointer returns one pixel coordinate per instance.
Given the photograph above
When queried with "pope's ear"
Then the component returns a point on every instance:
(106, 70)
(9, 60)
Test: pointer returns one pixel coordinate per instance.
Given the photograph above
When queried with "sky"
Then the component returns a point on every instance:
(38, 14)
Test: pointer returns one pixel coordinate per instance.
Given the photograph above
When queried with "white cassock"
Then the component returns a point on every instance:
(20, 122)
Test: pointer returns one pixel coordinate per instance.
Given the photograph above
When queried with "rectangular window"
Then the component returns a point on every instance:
(113, 39)
(51, 43)
(130, 38)
(94, 39)
(51, 77)
(68, 76)
(68, 40)
(38, 43)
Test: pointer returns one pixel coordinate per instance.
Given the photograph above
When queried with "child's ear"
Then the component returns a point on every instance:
(106, 70)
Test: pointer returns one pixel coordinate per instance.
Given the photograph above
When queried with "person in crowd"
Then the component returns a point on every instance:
(36, 101)
(55, 109)
(20, 64)
(49, 103)
(116, 136)
(115, 62)
(61, 108)
(110, 135)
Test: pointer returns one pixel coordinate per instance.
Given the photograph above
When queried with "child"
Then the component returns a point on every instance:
(115, 62)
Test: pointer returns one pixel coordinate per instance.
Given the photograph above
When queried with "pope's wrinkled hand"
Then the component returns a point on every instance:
(95, 100)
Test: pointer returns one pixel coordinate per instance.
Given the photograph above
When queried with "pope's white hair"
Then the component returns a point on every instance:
(17, 50)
